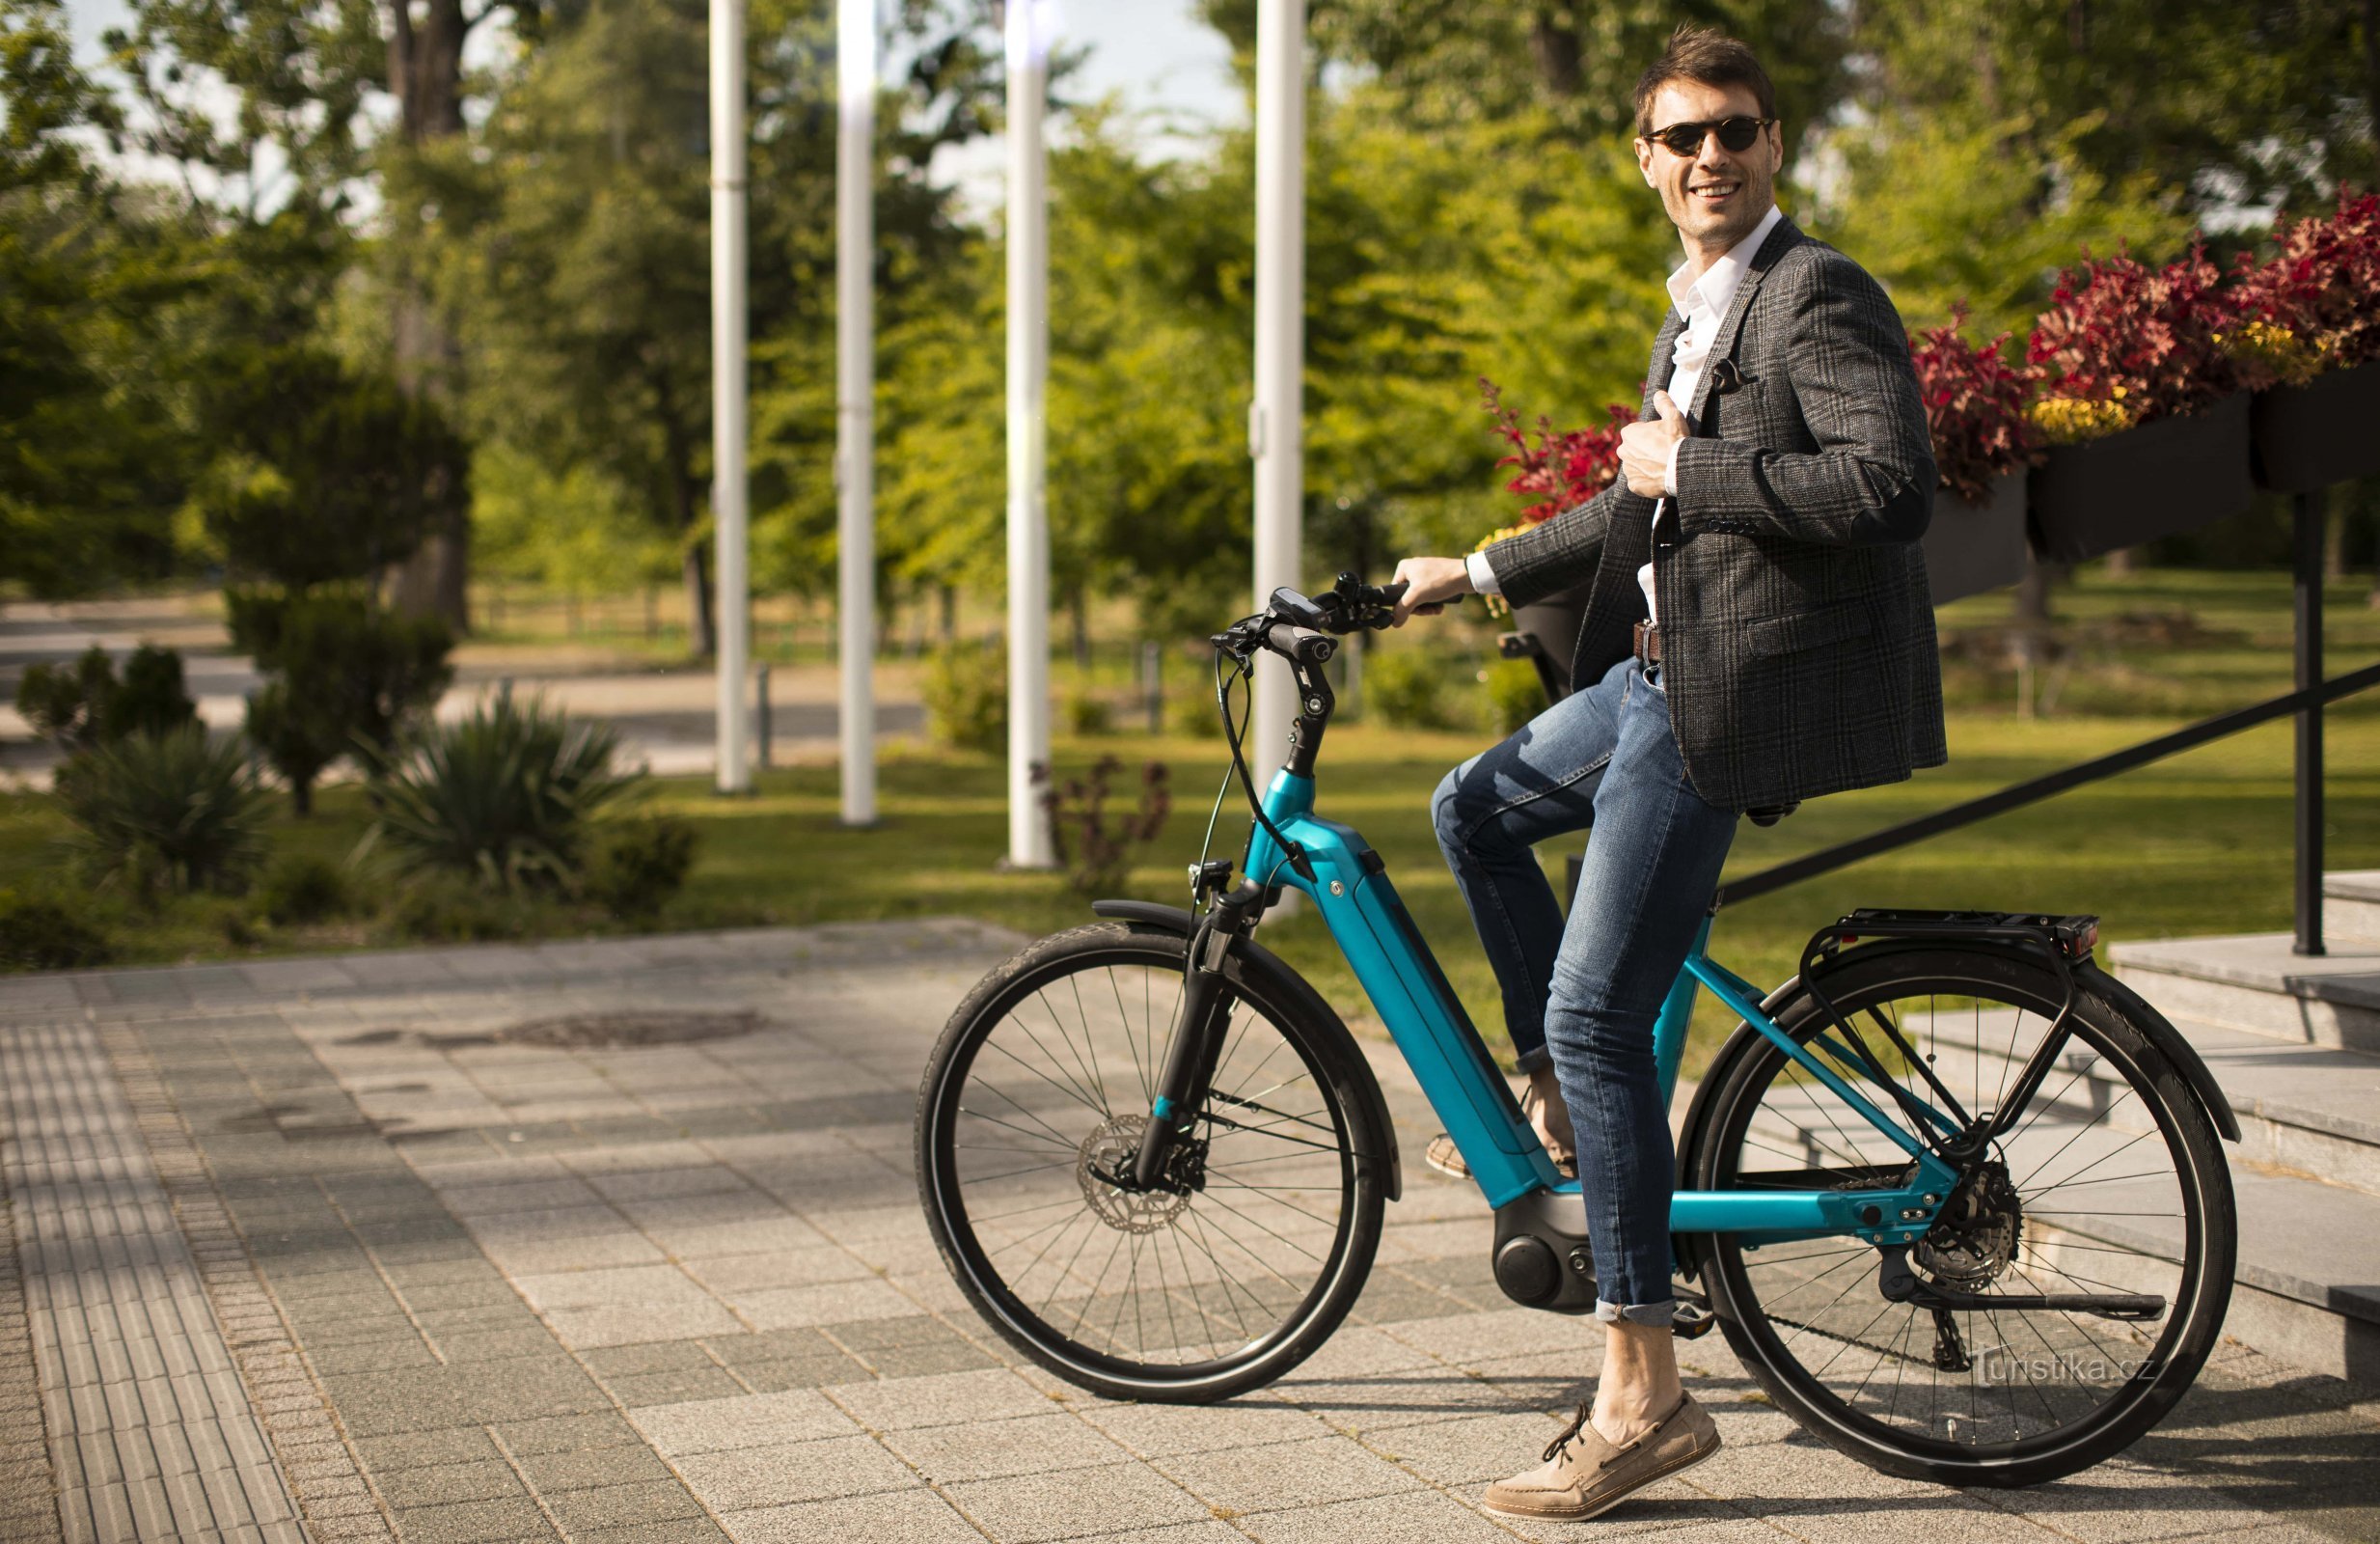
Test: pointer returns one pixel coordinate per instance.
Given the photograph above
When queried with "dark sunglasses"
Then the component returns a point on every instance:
(1735, 134)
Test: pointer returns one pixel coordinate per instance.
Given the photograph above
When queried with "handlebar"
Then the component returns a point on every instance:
(1347, 606)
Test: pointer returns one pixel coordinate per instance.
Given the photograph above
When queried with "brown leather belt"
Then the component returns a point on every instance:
(1648, 643)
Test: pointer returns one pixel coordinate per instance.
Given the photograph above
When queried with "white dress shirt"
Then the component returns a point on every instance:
(1701, 300)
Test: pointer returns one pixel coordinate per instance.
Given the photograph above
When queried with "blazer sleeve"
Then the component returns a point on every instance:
(1871, 478)
(1563, 551)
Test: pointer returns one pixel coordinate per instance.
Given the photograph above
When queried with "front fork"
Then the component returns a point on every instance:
(1197, 1034)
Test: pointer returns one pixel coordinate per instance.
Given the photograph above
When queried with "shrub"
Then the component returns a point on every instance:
(342, 671)
(1561, 470)
(153, 699)
(1087, 712)
(1514, 696)
(301, 888)
(443, 909)
(175, 810)
(1190, 712)
(504, 796)
(965, 691)
(1097, 858)
(635, 867)
(2147, 340)
(41, 934)
(2316, 304)
(1407, 688)
(86, 705)
(1975, 406)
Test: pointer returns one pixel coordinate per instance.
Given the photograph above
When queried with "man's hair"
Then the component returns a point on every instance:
(1709, 57)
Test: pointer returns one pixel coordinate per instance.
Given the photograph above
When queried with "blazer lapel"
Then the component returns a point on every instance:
(1664, 361)
(1781, 240)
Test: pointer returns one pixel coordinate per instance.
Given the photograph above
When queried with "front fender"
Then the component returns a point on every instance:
(1257, 960)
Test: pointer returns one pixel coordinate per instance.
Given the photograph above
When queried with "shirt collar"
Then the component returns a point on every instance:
(1717, 282)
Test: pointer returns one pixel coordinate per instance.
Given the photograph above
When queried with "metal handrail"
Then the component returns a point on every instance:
(2016, 794)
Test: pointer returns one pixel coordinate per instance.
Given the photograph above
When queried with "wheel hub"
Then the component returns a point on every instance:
(1105, 1160)
(1972, 1240)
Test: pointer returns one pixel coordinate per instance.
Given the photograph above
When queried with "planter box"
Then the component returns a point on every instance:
(2307, 437)
(1970, 548)
(2165, 477)
(1554, 622)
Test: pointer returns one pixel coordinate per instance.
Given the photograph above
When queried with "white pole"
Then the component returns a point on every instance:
(855, 432)
(1029, 369)
(733, 598)
(1275, 432)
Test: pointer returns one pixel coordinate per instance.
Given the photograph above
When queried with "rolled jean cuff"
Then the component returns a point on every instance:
(1531, 1060)
(1664, 1311)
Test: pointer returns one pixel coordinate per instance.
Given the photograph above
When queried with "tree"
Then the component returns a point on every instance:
(2215, 104)
(89, 460)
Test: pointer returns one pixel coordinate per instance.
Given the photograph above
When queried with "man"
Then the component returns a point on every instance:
(1758, 631)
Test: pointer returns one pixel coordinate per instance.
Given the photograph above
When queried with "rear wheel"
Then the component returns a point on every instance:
(2111, 1180)
(1253, 1250)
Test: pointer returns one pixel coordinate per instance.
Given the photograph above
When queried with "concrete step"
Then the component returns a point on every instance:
(2311, 1110)
(2252, 981)
(2306, 1283)
(2351, 906)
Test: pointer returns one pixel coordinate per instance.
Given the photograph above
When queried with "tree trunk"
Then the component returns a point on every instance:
(1080, 619)
(950, 614)
(301, 797)
(700, 641)
(2371, 82)
(2029, 637)
(2124, 561)
(1556, 46)
(425, 71)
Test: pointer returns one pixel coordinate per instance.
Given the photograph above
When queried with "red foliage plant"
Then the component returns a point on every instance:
(1561, 470)
(1975, 405)
(2322, 282)
(2120, 331)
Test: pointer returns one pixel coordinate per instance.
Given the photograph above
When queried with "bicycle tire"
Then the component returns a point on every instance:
(1205, 1230)
(2193, 1264)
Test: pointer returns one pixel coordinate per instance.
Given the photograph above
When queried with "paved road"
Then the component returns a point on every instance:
(315, 1248)
(667, 718)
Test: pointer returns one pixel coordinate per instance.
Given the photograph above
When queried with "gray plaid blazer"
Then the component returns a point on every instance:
(1798, 644)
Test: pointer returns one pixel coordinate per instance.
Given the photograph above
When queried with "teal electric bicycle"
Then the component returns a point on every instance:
(1953, 1194)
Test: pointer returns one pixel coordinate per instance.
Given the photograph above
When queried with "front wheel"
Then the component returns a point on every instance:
(2110, 1180)
(1252, 1248)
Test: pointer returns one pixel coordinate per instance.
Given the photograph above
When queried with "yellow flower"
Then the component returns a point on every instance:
(1497, 606)
(2073, 420)
(2276, 351)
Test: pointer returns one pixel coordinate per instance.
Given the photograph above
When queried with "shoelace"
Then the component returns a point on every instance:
(1570, 1434)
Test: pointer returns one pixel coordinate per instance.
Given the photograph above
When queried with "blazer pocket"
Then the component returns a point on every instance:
(1807, 629)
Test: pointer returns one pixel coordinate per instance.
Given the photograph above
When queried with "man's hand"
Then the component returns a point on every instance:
(1430, 582)
(1644, 447)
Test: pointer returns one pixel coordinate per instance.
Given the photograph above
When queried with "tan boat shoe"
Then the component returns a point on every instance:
(1585, 1475)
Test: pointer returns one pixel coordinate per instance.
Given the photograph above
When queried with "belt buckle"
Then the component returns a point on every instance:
(1648, 643)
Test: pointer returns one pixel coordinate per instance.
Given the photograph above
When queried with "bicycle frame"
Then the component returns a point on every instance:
(1392, 962)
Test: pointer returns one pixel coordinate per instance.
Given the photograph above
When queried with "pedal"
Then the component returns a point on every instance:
(1692, 1322)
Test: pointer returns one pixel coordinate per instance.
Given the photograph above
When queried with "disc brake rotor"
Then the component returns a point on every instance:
(1111, 1149)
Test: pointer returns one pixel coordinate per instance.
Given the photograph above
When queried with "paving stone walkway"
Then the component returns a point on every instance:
(369, 1248)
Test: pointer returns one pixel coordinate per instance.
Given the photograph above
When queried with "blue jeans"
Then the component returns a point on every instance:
(1584, 993)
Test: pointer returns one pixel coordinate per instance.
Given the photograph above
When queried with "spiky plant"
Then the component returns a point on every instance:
(505, 795)
(175, 810)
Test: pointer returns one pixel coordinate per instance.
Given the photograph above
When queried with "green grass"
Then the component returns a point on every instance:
(2200, 843)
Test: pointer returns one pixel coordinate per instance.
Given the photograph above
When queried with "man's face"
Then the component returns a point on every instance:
(1715, 196)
